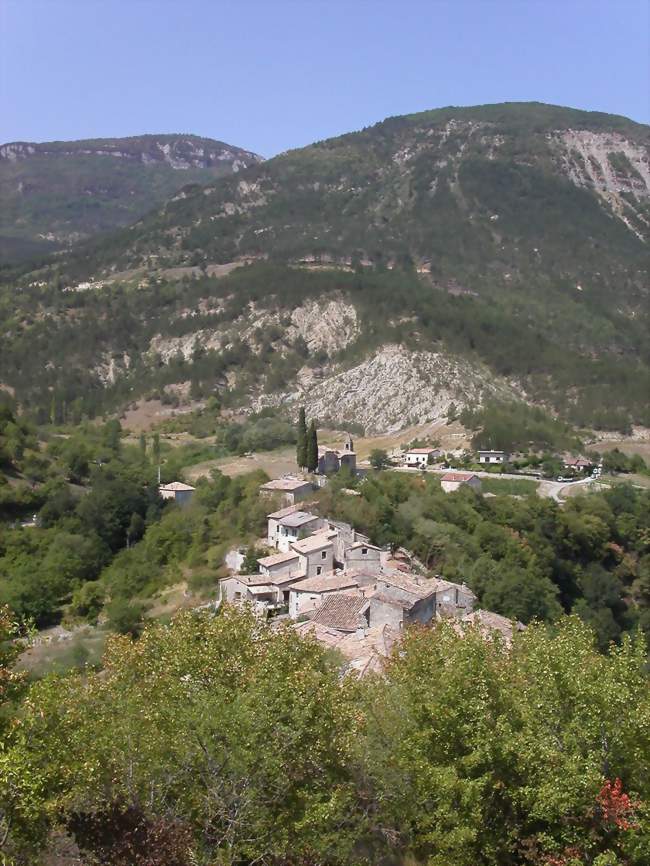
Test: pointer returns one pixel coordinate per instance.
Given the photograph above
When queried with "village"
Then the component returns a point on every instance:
(329, 581)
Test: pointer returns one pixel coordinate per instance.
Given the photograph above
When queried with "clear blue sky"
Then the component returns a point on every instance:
(274, 74)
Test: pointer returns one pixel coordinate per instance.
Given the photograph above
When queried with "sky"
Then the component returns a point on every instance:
(270, 75)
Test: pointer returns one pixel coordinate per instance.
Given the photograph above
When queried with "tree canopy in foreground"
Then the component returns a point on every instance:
(219, 740)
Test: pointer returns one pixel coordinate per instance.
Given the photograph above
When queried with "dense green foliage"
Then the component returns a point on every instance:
(113, 542)
(53, 344)
(236, 743)
(59, 192)
(524, 558)
(517, 427)
(547, 286)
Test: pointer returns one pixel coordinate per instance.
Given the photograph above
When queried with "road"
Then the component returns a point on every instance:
(551, 489)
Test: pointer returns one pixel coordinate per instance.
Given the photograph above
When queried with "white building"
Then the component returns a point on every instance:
(292, 527)
(176, 490)
(419, 458)
(493, 457)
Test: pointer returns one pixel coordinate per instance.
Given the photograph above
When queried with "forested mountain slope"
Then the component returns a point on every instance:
(62, 191)
(504, 248)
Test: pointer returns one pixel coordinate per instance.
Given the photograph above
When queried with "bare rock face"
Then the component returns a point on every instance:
(327, 325)
(395, 388)
(617, 169)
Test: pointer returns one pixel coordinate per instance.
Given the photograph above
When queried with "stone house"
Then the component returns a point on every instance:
(281, 565)
(293, 527)
(401, 600)
(178, 491)
(316, 554)
(273, 525)
(345, 613)
(306, 595)
(290, 489)
(256, 589)
(362, 554)
(332, 460)
(493, 457)
(452, 481)
(419, 458)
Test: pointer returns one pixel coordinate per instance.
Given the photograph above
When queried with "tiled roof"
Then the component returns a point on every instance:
(389, 599)
(176, 485)
(286, 484)
(421, 450)
(458, 476)
(358, 544)
(312, 543)
(298, 518)
(325, 583)
(410, 584)
(342, 612)
(277, 558)
(283, 512)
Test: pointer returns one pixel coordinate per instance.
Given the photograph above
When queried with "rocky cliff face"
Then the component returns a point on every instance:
(57, 193)
(178, 152)
(394, 388)
(615, 168)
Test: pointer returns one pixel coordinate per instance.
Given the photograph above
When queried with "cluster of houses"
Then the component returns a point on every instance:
(420, 458)
(333, 583)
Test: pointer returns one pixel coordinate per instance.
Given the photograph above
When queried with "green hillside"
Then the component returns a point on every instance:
(514, 236)
(61, 192)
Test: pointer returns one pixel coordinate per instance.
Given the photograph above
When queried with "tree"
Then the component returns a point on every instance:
(124, 617)
(156, 449)
(379, 458)
(301, 446)
(135, 529)
(143, 443)
(196, 699)
(312, 447)
(250, 564)
(541, 734)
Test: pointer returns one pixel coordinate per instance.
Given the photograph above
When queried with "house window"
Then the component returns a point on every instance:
(319, 569)
(364, 551)
(323, 555)
(237, 596)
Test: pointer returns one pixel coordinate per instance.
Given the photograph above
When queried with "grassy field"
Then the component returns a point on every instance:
(505, 486)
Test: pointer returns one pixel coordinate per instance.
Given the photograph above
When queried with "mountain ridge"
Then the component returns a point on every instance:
(513, 235)
(60, 192)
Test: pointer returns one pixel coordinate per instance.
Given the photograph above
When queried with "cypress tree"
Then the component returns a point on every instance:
(312, 448)
(301, 446)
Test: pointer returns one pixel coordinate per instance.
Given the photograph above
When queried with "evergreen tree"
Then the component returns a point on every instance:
(312, 448)
(156, 448)
(143, 443)
(301, 447)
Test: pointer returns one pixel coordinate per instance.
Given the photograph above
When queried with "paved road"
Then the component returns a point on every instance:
(552, 489)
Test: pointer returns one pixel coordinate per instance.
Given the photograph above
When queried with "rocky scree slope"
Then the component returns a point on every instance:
(55, 193)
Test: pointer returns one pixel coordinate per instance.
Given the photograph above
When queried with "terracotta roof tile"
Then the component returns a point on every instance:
(342, 612)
